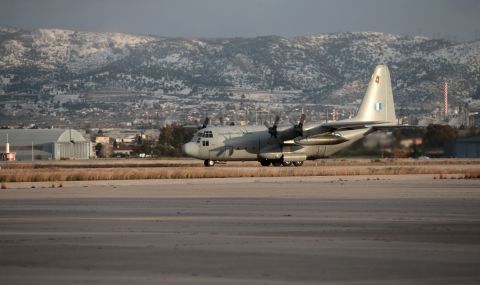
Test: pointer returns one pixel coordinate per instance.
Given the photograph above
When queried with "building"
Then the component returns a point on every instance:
(34, 144)
(123, 151)
(463, 148)
(130, 137)
(7, 155)
(102, 139)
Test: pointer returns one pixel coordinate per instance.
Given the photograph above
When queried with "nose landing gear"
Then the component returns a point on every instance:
(208, 162)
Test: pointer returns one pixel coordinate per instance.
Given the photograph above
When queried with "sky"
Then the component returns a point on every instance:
(452, 19)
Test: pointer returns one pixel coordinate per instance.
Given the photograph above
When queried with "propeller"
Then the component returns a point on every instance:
(299, 127)
(205, 123)
(273, 129)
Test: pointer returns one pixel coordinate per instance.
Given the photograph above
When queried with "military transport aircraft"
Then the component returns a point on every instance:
(286, 145)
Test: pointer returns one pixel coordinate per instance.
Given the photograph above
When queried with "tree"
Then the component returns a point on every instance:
(103, 150)
(436, 136)
(171, 139)
(146, 147)
(476, 94)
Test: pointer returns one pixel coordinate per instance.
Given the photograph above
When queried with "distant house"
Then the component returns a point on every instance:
(130, 137)
(123, 151)
(122, 136)
(102, 140)
(463, 148)
(8, 156)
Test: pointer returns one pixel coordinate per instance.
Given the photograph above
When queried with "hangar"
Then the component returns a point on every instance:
(30, 144)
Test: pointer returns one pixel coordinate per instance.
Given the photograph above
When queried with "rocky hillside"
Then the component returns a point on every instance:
(326, 68)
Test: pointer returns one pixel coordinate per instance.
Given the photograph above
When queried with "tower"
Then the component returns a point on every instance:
(445, 100)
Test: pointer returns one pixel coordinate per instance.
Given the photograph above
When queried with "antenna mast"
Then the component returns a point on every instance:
(445, 100)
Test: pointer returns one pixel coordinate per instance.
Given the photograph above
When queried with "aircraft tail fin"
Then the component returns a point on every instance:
(377, 104)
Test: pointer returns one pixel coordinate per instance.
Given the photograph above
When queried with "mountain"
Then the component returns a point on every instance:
(324, 68)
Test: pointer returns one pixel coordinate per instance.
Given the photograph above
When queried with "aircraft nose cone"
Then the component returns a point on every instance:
(190, 149)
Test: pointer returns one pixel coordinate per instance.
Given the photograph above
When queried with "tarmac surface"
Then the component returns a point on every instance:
(405, 229)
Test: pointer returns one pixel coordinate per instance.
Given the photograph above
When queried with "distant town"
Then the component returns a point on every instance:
(120, 109)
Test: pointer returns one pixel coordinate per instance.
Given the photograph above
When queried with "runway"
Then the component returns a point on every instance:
(403, 229)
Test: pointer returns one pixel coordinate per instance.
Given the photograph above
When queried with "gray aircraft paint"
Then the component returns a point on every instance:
(255, 143)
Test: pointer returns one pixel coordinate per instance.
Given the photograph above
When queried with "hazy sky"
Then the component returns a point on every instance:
(454, 19)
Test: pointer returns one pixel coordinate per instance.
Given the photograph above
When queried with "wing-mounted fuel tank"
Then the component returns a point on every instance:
(322, 139)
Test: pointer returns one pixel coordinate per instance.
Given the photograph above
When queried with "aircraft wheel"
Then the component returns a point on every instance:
(209, 163)
(265, 162)
(298, 163)
(287, 163)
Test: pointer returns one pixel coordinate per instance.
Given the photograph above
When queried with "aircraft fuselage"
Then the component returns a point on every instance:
(254, 143)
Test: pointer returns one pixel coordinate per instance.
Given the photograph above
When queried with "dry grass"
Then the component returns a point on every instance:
(81, 174)
(96, 164)
(139, 163)
(469, 175)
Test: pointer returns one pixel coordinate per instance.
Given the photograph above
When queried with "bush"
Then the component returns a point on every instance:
(437, 135)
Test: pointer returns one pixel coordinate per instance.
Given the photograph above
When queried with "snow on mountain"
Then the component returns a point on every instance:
(326, 67)
(50, 49)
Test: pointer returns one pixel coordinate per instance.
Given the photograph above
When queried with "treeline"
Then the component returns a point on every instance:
(408, 142)
(169, 143)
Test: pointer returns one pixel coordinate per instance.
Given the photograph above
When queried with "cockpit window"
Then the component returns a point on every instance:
(207, 134)
(196, 137)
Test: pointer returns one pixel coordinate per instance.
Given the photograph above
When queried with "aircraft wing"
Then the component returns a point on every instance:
(392, 127)
(330, 133)
(341, 125)
(351, 124)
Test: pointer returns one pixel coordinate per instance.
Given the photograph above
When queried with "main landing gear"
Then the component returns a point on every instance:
(267, 162)
(263, 162)
(298, 163)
